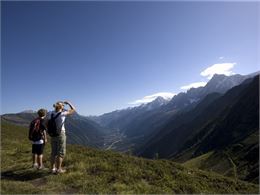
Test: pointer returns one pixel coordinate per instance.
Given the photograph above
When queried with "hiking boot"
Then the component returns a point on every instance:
(61, 171)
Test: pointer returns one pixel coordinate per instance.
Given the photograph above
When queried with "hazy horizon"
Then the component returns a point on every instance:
(104, 56)
(146, 98)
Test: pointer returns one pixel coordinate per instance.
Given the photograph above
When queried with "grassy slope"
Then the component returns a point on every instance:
(80, 128)
(97, 171)
(237, 161)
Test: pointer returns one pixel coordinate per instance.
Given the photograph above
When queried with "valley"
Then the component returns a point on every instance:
(217, 123)
(116, 140)
(112, 139)
(130, 97)
(219, 132)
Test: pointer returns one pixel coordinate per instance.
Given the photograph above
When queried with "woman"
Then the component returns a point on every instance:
(58, 143)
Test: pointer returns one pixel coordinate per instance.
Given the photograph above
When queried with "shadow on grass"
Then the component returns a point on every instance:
(35, 177)
(23, 174)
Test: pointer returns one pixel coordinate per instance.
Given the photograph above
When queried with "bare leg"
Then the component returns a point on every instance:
(34, 157)
(40, 160)
(60, 159)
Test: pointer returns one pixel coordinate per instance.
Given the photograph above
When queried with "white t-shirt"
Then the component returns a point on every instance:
(60, 121)
(38, 142)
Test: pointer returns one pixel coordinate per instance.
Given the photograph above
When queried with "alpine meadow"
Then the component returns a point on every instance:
(128, 97)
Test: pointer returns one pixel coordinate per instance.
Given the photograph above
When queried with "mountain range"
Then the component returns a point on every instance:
(219, 121)
(80, 129)
(224, 125)
(141, 123)
(215, 127)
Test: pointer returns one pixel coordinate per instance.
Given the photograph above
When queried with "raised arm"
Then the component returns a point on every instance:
(72, 108)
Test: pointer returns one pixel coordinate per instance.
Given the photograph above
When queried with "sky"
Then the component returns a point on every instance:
(104, 56)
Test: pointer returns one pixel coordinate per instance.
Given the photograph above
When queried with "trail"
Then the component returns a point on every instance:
(233, 165)
(111, 145)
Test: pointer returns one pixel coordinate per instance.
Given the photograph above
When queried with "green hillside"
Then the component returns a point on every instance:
(80, 128)
(96, 171)
(237, 161)
(229, 144)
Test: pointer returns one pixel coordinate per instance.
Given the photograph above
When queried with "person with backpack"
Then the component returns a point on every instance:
(56, 130)
(37, 134)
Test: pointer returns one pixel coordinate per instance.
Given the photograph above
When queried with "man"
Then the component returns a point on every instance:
(58, 141)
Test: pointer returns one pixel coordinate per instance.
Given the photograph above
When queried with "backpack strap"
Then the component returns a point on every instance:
(57, 115)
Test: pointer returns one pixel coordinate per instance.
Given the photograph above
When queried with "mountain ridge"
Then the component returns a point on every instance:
(80, 129)
(228, 120)
(139, 124)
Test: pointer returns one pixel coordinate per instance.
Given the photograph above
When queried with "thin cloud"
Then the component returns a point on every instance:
(150, 98)
(194, 85)
(223, 68)
(221, 58)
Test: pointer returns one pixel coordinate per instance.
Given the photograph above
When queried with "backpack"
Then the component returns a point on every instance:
(53, 130)
(35, 131)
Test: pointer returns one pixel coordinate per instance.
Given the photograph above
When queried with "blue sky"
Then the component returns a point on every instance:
(104, 56)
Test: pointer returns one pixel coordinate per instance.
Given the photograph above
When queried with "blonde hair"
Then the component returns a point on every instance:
(58, 105)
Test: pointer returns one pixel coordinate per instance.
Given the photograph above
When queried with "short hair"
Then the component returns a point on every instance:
(42, 112)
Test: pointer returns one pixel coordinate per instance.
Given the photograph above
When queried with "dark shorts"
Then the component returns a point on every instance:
(37, 149)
